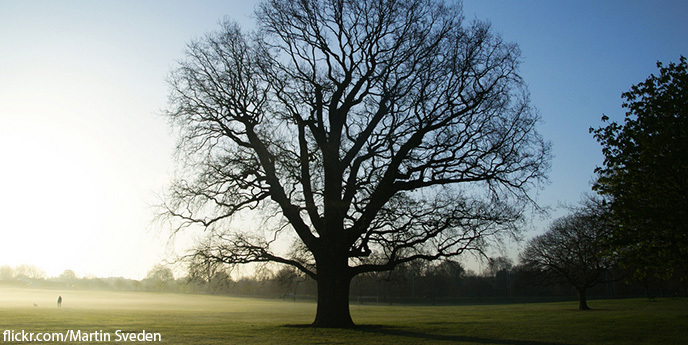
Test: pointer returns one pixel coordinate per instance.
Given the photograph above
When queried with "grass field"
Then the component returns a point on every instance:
(195, 319)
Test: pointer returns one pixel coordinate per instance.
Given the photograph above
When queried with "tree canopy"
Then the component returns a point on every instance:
(572, 251)
(368, 133)
(645, 174)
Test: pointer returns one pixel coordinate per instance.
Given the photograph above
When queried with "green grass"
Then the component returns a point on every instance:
(194, 319)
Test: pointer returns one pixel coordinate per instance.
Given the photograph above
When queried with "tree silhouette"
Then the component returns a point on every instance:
(645, 175)
(369, 133)
(159, 277)
(571, 251)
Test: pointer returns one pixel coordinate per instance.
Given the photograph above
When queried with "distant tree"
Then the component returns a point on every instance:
(201, 270)
(161, 273)
(476, 285)
(220, 282)
(29, 271)
(120, 283)
(6, 272)
(379, 132)
(288, 280)
(498, 264)
(68, 276)
(159, 277)
(645, 174)
(443, 279)
(571, 251)
(452, 270)
(499, 269)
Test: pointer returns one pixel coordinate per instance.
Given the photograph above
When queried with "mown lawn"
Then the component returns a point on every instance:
(194, 319)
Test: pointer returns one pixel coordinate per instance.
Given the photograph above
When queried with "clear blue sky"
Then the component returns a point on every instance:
(578, 57)
(82, 83)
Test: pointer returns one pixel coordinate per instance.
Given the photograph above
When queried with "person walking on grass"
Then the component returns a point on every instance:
(59, 302)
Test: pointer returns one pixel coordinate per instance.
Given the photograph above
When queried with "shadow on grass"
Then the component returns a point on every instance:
(400, 332)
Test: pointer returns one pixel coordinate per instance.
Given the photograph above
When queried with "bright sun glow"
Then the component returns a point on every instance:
(75, 187)
(84, 152)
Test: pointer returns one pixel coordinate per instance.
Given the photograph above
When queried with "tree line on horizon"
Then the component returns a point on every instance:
(445, 282)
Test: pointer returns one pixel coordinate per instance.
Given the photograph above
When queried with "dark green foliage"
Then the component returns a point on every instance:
(645, 174)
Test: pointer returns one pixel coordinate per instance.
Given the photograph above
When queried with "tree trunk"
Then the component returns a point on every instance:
(333, 299)
(582, 299)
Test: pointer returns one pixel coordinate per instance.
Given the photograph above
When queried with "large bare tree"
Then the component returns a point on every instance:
(370, 133)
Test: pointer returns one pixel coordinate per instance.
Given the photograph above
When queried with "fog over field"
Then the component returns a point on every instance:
(184, 319)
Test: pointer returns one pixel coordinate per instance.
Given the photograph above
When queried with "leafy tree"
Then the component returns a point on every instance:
(499, 270)
(571, 251)
(68, 276)
(368, 133)
(443, 278)
(220, 282)
(499, 264)
(6, 272)
(159, 277)
(645, 174)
